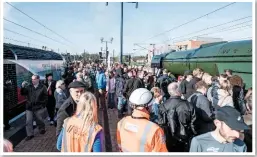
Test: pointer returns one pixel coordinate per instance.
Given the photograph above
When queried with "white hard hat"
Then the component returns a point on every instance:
(140, 96)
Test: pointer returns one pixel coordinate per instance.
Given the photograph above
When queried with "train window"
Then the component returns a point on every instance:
(8, 54)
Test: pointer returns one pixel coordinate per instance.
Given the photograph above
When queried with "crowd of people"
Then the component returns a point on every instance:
(159, 112)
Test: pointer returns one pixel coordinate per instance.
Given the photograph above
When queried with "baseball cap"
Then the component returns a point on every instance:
(231, 117)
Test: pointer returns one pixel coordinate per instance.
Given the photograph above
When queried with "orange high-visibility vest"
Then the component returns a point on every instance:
(78, 139)
(140, 135)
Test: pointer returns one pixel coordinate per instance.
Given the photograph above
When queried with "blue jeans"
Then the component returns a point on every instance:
(121, 103)
(111, 100)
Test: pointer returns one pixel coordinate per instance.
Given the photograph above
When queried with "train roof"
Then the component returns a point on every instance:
(218, 49)
(17, 52)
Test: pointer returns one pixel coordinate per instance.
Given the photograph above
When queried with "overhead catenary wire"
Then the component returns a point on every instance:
(207, 28)
(23, 35)
(226, 28)
(38, 22)
(34, 31)
(176, 27)
(219, 31)
(27, 43)
(222, 30)
(20, 41)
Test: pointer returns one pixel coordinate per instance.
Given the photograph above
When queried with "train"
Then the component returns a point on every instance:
(213, 58)
(20, 63)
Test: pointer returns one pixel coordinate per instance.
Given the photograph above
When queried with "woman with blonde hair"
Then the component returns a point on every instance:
(81, 132)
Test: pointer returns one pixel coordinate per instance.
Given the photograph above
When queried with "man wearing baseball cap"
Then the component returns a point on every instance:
(225, 138)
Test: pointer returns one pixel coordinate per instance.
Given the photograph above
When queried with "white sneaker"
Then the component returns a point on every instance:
(34, 123)
(52, 123)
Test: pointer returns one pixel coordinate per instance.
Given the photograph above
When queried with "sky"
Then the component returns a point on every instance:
(84, 23)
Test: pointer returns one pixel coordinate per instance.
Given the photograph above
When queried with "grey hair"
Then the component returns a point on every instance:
(173, 89)
(79, 75)
(59, 83)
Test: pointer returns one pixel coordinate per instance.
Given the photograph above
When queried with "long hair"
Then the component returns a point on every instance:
(236, 81)
(87, 109)
(226, 86)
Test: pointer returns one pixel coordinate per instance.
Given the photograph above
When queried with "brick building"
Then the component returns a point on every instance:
(195, 43)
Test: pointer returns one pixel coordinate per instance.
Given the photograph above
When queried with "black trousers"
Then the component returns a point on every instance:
(177, 147)
(51, 108)
(6, 117)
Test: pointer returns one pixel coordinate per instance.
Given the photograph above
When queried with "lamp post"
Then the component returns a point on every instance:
(153, 55)
(106, 46)
(121, 29)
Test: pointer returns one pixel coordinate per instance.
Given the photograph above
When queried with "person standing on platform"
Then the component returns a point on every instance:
(37, 99)
(101, 87)
(136, 133)
(60, 96)
(110, 89)
(50, 84)
(81, 132)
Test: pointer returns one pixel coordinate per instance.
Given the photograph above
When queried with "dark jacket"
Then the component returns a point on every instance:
(51, 98)
(119, 85)
(204, 112)
(67, 110)
(126, 76)
(238, 99)
(182, 86)
(190, 87)
(180, 118)
(7, 89)
(36, 97)
(163, 82)
(131, 85)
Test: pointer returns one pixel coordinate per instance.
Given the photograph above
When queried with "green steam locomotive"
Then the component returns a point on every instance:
(213, 58)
